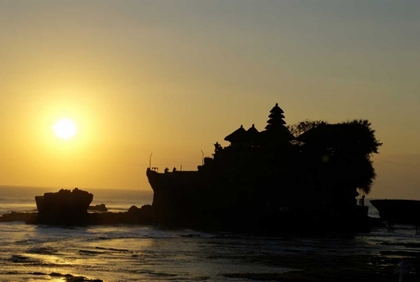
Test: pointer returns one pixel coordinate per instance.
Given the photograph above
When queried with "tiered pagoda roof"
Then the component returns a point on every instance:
(276, 118)
(275, 132)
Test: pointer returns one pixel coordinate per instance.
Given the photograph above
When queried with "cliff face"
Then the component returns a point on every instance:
(177, 196)
(195, 200)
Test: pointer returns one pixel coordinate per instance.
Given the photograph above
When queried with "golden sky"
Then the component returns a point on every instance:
(173, 77)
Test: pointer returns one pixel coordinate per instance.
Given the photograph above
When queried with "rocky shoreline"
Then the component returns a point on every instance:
(72, 208)
(67, 207)
(134, 215)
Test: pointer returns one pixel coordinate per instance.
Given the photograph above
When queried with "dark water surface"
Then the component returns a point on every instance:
(141, 253)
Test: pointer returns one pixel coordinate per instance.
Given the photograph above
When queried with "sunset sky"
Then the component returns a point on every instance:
(173, 77)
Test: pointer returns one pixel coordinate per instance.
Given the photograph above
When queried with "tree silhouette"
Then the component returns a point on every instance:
(303, 126)
(341, 152)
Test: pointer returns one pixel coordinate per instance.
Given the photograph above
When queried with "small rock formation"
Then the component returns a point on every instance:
(134, 215)
(100, 208)
(64, 207)
(18, 216)
(143, 215)
(67, 207)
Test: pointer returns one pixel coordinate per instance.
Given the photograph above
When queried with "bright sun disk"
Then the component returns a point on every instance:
(65, 128)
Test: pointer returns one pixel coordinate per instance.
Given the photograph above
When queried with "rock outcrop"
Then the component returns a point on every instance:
(67, 207)
(98, 208)
(64, 207)
(19, 216)
(134, 215)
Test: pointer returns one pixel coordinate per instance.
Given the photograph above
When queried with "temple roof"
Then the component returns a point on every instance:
(238, 135)
(252, 134)
(275, 122)
(252, 130)
(275, 126)
(276, 135)
(276, 109)
(272, 115)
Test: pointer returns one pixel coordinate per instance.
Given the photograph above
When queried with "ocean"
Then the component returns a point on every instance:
(146, 253)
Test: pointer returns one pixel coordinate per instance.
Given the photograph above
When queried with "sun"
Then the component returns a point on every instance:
(65, 129)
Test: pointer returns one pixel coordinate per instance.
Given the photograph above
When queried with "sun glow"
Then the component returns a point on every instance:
(65, 129)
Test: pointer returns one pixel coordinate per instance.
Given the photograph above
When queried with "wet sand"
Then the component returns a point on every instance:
(378, 267)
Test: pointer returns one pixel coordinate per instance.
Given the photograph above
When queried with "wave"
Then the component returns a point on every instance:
(20, 258)
(23, 259)
(112, 249)
(42, 250)
(89, 252)
(28, 275)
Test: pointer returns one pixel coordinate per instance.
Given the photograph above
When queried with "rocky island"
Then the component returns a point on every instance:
(64, 207)
(301, 178)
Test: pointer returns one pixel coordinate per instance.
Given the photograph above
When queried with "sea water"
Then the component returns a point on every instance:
(146, 253)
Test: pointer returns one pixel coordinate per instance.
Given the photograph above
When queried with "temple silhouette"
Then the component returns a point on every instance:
(304, 177)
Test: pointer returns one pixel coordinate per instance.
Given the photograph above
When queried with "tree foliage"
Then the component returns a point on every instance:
(326, 162)
(303, 126)
(346, 146)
